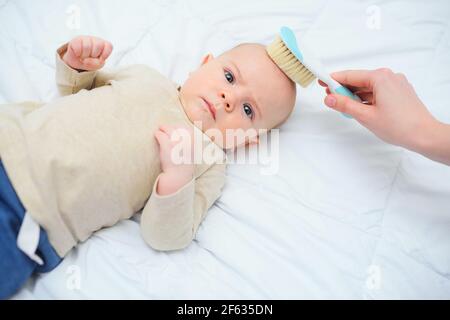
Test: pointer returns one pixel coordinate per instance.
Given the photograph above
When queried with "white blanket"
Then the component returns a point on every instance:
(344, 216)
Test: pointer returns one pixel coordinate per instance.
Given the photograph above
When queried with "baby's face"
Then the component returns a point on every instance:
(244, 90)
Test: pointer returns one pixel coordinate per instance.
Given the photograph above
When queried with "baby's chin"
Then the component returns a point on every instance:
(198, 116)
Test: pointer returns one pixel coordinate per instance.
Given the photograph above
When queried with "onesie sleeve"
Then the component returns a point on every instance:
(70, 81)
(170, 222)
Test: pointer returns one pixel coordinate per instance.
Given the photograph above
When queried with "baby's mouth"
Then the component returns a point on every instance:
(210, 107)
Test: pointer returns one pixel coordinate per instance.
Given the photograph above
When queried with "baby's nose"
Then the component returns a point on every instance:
(226, 101)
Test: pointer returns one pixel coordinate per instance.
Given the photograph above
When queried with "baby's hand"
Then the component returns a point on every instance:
(87, 53)
(176, 149)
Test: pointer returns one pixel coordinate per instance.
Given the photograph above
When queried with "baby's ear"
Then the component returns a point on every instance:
(207, 58)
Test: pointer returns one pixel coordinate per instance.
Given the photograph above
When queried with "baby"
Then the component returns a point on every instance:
(105, 150)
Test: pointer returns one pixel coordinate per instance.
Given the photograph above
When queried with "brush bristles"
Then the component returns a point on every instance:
(290, 65)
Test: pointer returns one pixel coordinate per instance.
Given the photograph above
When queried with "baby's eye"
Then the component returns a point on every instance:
(229, 76)
(248, 110)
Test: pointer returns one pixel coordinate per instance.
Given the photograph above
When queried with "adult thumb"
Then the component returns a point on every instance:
(346, 105)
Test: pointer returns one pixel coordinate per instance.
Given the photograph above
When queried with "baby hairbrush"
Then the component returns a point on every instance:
(300, 65)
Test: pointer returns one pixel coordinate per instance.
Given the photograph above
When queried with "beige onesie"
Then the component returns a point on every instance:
(89, 158)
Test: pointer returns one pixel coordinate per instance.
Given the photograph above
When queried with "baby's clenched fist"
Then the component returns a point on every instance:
(87, 53)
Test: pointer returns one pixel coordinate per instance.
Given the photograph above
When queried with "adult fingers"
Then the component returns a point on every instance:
(366, 96)
(355, 78)
(349, 106)
(350, 87)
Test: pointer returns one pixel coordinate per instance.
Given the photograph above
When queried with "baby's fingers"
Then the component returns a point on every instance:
(86, 47)
(93, 63)
(169, 130)
(162, 138)
(97, 47)
(107, 49)
(76, 47)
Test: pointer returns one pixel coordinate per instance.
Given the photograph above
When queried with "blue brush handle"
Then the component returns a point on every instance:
(346, 92)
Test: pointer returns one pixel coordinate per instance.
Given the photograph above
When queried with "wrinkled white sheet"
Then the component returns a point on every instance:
(345, 216)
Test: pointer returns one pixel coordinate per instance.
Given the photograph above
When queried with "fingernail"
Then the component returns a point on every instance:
(330, 101)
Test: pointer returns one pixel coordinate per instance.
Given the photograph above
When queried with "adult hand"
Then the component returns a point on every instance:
(391, 110)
